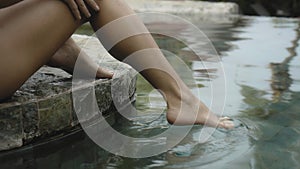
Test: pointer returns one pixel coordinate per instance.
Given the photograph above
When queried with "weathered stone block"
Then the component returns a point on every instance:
(30, 120)
(11, 131)
(103, 96)
(84, 102)
(187, 6)
(54, 113)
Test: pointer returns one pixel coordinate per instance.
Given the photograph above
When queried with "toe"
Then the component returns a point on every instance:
(226, 122)
(103, 73)
(225, 119)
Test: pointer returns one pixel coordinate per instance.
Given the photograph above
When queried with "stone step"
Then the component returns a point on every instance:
(43, 106)
(200, 7)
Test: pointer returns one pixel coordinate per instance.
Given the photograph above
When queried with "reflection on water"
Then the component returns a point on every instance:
(261, 58)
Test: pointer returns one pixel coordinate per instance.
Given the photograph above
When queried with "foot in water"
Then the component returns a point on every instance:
(187, 109)
(65, 58)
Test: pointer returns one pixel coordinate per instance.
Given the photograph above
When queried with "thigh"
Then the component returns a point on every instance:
(31, 31)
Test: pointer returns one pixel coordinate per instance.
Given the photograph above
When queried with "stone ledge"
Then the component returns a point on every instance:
(199, 7)
(195, 11)
(43, 106)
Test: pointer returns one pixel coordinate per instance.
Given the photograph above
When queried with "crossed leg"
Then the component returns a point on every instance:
(37, 29)
(66, 56)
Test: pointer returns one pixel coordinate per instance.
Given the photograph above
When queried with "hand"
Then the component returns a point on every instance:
(79, 7)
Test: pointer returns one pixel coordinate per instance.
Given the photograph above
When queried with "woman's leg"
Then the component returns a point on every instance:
(164, 78)
(28, 41)
(66, 56)
(31, 32)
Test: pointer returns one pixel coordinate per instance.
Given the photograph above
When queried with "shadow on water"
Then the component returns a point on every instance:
(263, 98)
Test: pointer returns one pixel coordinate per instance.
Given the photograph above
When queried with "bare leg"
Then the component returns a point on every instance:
(66, 57)
(31, 32)
(176, 93)
(28, 41)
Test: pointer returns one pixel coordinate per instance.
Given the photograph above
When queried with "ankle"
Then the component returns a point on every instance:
(175, 98)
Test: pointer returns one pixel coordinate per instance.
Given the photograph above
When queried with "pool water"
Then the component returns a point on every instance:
(261, 60)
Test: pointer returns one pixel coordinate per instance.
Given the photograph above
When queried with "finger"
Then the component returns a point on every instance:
(83, 8)
(74, 8)
(93, 4)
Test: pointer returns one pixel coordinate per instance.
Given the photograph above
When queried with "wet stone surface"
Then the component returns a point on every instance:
(43, 106)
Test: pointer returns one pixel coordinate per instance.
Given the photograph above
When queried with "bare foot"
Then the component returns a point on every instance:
(65, 58)
(189, 110)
